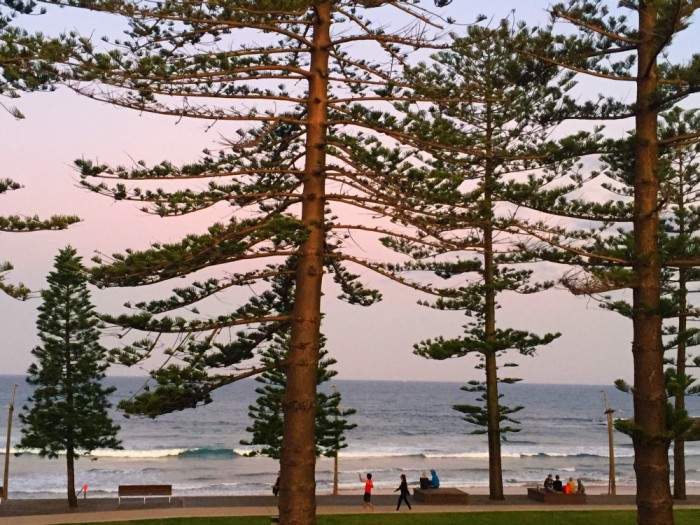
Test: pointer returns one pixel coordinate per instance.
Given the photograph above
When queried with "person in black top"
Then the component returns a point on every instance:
(558, 487)
(403, 487)
(276, 486)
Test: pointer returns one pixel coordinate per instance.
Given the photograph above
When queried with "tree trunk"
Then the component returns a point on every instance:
(493, 414)
(654, 502)
(297, 502)
(679, 491)
(70, 479)
(494, 430)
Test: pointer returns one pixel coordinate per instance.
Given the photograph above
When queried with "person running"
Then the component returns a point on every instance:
(367, 499)
(403, 487)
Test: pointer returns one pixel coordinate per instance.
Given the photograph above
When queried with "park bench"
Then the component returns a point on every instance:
(557, 498)
(145, 491)
(441, 496)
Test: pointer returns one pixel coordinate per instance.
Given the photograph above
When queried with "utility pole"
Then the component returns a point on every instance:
(335, 456)
(611, 476)
(7, 444)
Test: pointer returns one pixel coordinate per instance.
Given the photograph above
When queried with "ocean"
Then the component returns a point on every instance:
(402, 428)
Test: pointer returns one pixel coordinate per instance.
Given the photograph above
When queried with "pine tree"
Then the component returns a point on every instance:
(679, 182)
(67, 412)
(491, 123)
(268, 420)
(607, 45)
(311, 147)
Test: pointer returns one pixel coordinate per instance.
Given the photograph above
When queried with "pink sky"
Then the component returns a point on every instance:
(369, 343)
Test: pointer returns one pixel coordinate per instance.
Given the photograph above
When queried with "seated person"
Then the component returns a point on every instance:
(549, 484)
(571, 485)
(557, 485)
(276, 486)
(434, 480)
(424, 481)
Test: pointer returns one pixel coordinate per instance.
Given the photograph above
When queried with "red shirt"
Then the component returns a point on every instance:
(368, 486)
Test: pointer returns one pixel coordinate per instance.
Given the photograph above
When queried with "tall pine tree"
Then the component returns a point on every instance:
(304, 151)
(679, 182)
(494, 112)
(68, 410)
(609, 46)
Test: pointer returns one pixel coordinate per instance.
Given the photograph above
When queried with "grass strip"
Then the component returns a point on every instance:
(587, 517)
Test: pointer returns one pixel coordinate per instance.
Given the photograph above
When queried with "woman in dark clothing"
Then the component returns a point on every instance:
(404, 492)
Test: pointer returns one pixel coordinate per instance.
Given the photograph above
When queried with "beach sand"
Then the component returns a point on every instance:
(56, 511)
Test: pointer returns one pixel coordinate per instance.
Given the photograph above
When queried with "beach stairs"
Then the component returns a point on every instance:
(556, 498)
(441, 496)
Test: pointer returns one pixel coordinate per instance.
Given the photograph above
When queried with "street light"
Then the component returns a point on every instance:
(611, 476)
(7, 444)
(335, 456)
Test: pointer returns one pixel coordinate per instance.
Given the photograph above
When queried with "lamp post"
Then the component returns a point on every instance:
(611, 448)
(7, 444)
(335, 455)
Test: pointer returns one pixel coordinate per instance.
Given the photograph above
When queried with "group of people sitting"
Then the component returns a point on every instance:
(554, 484)
(431, 482)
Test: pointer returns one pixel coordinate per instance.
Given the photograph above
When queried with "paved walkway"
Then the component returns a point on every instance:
(53, 512)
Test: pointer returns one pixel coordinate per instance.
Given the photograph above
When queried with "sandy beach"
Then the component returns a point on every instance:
(55, 511)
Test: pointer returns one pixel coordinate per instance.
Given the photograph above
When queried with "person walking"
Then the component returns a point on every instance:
(403, 488)
(367, 499)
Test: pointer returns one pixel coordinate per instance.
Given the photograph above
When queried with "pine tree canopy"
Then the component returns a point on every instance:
(27, 63)
(267, 416)
(67, 411)
(294, 131)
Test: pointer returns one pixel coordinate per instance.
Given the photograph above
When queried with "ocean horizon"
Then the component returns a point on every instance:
(403, 427)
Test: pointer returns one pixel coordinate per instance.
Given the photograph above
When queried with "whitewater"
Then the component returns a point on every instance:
(402, 428)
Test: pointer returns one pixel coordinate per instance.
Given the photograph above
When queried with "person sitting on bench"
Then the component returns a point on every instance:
(558, 485)
(434, 480)
(424, 480)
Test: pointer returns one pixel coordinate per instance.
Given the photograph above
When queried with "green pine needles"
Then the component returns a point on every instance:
(268, 418)
(67, 412)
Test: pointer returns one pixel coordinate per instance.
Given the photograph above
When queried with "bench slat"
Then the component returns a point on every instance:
(145, 491)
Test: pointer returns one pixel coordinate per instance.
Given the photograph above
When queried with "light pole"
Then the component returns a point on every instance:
(611, 476)
(7, 444)
(335, 456)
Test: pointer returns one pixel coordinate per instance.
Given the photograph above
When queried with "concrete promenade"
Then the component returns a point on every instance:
(53, 512)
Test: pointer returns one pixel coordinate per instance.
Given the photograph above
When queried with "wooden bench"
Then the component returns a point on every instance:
(441, 496)
(145, 491)
(557, 498)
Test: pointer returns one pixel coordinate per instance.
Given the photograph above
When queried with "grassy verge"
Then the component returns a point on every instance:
(590, 517)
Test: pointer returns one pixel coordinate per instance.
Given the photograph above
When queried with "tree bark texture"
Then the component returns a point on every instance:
(70, 477)
(679, 481)
(490, 360)
(297, 503)
(654, 502)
